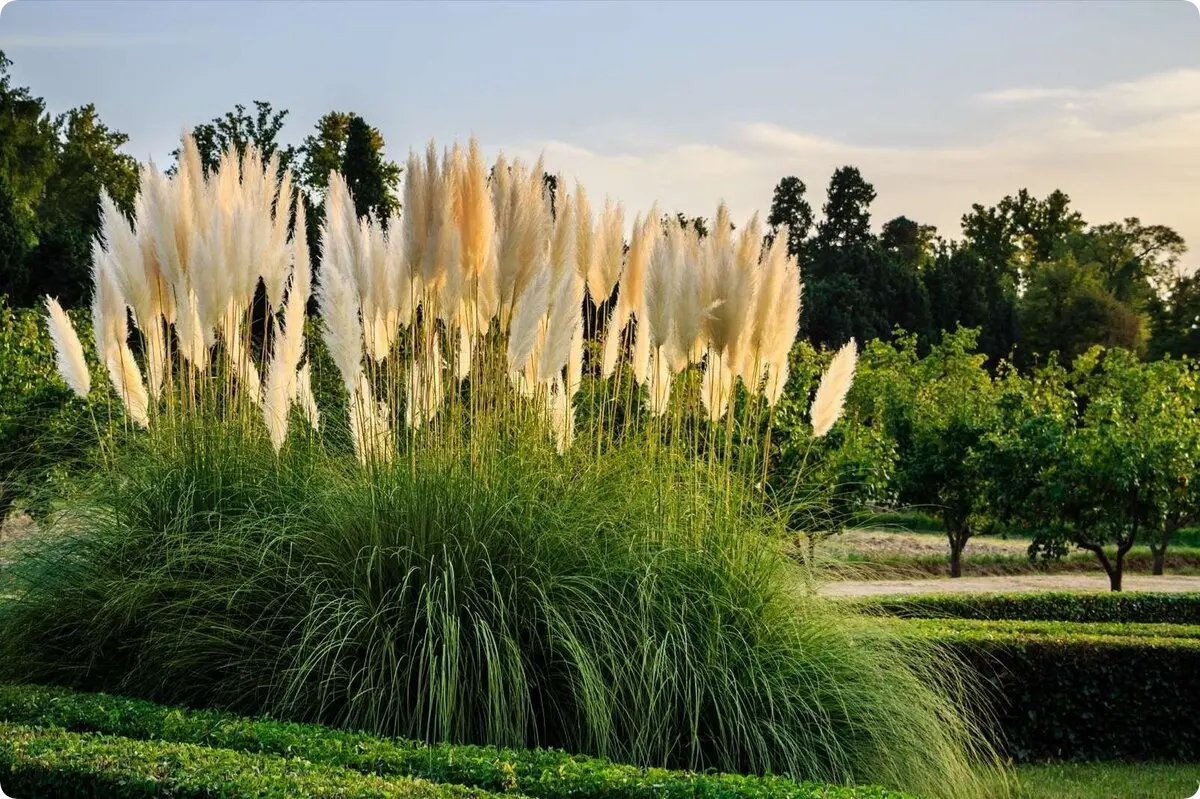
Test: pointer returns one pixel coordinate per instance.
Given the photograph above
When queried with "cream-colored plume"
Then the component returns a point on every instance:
(831, 394)
(72, 366)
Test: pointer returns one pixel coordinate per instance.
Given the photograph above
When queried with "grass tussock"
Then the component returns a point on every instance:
(514, 495)
(612, 607)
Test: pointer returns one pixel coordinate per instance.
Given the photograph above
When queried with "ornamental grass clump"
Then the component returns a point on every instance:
(463, 512)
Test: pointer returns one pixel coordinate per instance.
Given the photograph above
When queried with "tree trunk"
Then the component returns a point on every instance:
(1160, 555)
(1114, 576)
(1160, 551)
(956, 549)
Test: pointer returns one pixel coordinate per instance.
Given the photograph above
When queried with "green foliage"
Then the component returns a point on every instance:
(1100, 457)
(1175, 319)
(789, 207)
(1076, 696)
(37, 762)
(616, 608)
(241, 130)
(51, 174)
(537, 773)
(1140, 607)
(44, 430)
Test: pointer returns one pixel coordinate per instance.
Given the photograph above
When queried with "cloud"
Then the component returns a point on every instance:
(1027, 95)
(1125, 149)
(79, 40)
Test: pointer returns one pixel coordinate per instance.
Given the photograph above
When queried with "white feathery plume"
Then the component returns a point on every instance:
(405, 293)
(609, 256)
(341, 329)
(778, 340)
(530, 307)
(561, 414)
(305, 398)
(831, 393)
(127, 380)
(762, 322)
(716, 387)
(369, 425)
(574, 363)
(477, 229)
(424, 390)
(749, 248)
(288, 348)
(416, 219)
(585, 236)
(109, 318)
(566, 294)
(658, 382)
(71, 364)
(611, 352)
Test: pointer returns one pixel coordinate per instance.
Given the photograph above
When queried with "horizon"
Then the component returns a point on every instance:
(939, 105)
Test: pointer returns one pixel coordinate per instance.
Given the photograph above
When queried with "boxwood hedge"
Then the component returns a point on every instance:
(40, 762)
(1084, 692)
(541, 773)
(1107, 606)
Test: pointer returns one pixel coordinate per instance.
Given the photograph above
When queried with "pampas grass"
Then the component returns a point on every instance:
(492, 526)
(831, 393)
(69, 351)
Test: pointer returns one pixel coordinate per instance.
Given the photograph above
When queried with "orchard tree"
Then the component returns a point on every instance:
(1091, 458)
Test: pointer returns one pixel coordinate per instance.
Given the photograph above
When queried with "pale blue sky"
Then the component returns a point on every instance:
(939, 103)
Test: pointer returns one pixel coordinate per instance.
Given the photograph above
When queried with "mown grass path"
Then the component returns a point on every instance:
(1009, 583)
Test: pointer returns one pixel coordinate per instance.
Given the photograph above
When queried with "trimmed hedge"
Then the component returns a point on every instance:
(37, 762)
(1093, 694)
(540, 773)
(1077, 631)
(1107, 606)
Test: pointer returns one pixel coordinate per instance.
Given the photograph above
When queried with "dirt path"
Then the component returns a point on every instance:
(1031, 582)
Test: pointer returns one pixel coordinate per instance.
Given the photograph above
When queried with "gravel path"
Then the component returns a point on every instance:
(1031, 582)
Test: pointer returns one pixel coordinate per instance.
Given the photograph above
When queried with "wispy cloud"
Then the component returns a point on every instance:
(1125, 149)
(79, 40)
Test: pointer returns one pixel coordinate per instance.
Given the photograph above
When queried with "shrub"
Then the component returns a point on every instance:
(1168, 608)
(1091, 695)
(545, 774)
(473, 562)
(614, 610)
(36, 762)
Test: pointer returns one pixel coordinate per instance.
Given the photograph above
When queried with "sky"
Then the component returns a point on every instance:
(940, 104)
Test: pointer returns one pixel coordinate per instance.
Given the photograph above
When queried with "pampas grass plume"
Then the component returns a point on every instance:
(831, 394)
(71, 364)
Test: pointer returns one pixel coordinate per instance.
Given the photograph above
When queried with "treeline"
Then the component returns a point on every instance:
(1102, 454)
(1031, 274)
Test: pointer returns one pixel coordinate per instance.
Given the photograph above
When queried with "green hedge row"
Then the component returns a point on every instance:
(1092, 694)
(541, 773)
(39, 762)
(1104, 606)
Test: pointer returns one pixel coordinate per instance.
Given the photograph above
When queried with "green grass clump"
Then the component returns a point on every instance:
(617, 605)
(540, 773)
(37, 762)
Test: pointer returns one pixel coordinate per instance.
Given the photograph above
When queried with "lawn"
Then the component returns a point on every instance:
(1108, 781)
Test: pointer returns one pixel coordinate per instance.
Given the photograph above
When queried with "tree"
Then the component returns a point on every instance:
(1175, 319)
(1021, 231)
(239, 129)
(965, 290)
(1091, 458)
(346, 143)
(789, 207)
(1067, 308)
(937, 412)
(910, 242)
(372, 179)
(1133, 260)
(88, 160)
(847, 211)
(28, 144)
